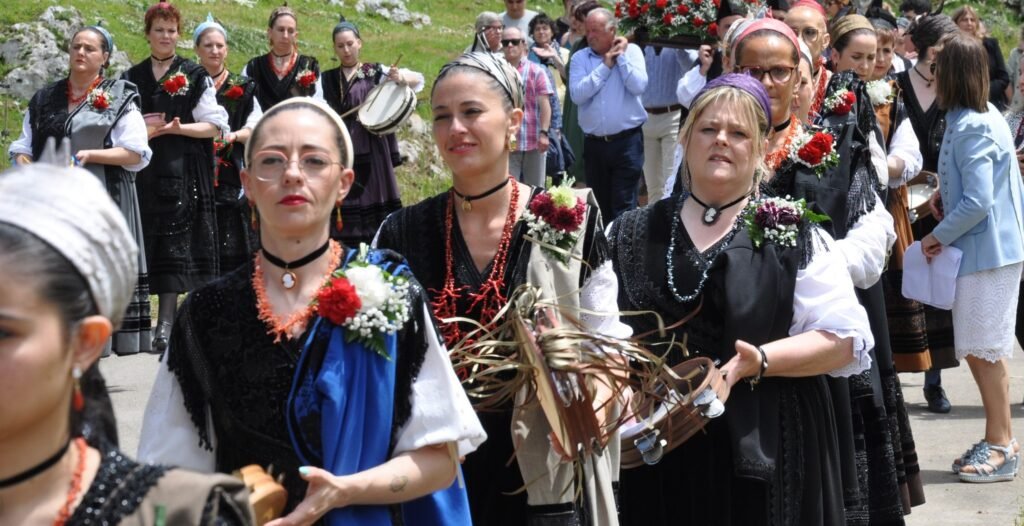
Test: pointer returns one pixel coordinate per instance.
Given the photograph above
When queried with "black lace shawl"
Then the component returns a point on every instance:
(231, 370)
(846, 192)
(238, 113)
(269, 89)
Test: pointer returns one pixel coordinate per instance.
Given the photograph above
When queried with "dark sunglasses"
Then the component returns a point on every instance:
(506, 42)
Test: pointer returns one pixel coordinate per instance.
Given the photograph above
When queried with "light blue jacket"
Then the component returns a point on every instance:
(982, 192)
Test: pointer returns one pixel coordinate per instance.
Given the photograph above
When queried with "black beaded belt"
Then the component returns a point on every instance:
(664, 109)
(612, 137)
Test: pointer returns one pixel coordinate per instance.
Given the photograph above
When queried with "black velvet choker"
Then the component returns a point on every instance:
(154, 57)
(36, 469)
(288, 279)
(467, 200)
(779, 127)
(712, 213)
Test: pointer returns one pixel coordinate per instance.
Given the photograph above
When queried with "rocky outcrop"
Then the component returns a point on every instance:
(393, 10)
(38, 51)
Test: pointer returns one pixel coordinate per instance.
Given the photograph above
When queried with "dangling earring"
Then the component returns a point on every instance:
(253, 220)
(338, 223)
(77, 400)
(511, 143)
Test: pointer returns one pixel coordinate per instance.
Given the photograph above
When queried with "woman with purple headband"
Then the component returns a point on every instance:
(771, 302)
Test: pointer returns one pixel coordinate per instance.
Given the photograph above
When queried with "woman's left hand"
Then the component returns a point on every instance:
(323, 494)
(746, 363)
(931, 247)
(395, 75)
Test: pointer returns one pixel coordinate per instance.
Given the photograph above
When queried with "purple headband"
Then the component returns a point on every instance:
(745, 83)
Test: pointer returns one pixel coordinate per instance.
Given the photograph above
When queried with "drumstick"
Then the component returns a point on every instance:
(349, 112)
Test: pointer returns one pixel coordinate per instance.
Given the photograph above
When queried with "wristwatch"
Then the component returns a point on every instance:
(545, 132)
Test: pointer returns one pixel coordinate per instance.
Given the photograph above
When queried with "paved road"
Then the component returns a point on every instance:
(940, 438)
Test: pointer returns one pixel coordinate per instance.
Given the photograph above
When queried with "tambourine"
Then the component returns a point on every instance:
(917, 197)
(690, 399)
(387, 106)
(564, 395)
(266, 495)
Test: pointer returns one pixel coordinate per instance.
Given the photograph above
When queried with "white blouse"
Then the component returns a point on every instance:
(691, 83)
(129, 132)
(904, 145)
(441, 413)
(866, 245)
(207, 109)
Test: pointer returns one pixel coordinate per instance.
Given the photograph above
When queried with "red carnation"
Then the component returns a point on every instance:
(645, 8)
(632, 3)
(845, 104)
(667, 19)
(682, 9)
(698, 21)
(100, 102)
(660, 4)
(234, 93)
(307, 79)
(816, 149)
(713, 29)
(717, 3)
(634, 12)
(180, 81)
(170, 86)
(338, 301)
(618, 10)
(697, 2)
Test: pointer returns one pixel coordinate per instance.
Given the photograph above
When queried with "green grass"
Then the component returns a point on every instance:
(424, 50)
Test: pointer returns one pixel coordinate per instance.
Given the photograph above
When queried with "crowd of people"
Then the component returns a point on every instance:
(747, 201)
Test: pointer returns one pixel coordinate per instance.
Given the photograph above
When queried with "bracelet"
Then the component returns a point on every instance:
(764, 368)
(544, 132)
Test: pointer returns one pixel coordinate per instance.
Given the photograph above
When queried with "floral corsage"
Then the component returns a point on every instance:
(880, 92)
(777, 220)
(555, 219)
(840, 102)
(366, 71)
(175, 83)
(99, 99)
(305, 79)
(367, 301)
(235, 91)
(816, 151)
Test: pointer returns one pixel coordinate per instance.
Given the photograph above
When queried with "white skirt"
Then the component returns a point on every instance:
(985, 313)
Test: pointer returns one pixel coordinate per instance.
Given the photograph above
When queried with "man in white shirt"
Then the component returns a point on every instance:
(517, 15)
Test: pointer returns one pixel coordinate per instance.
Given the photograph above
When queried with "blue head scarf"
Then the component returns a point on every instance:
(345, 25)
(106, 36)
(210, 23)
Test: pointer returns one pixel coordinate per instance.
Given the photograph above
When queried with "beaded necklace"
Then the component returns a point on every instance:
(819, 91)
(670, 254)
(277, 327)
(774, 159)
(76, 483)
(74, 101)
(281, 73)
(490, 296)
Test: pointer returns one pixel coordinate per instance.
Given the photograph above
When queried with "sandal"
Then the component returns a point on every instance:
(965, 459)
(985, 471)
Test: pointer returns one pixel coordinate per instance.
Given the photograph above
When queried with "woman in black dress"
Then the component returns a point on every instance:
(237, 95)
(176, 189)
(283, 73)
(374, 194)
(917, 87)
(771, 301)
(108, 137)
(966, 18)
(70, 263)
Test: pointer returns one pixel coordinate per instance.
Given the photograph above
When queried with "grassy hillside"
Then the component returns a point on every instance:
(425, 49)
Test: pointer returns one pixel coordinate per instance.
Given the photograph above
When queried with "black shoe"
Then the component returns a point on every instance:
(936, 397)
(161, 336)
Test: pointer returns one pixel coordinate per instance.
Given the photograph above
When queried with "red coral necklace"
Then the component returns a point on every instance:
(490, 297)
(281, 73)
(774, 159)
(819, 91)
(74, 101)
(82, 450)
(280, 327)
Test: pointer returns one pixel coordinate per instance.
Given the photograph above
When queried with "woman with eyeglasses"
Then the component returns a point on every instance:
(315, 357)
(237, 95)
(70, 264)
(832, 169)
(918, 91)
(778, 311)
(176, 189)
(283, 72)
(487, 36)
(374, 192)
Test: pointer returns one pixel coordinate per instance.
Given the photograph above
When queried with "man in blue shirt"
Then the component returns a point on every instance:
(665, 66)
(606, 81)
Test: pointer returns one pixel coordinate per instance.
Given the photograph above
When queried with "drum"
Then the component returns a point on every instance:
(387, 106)
(690, 397)
(917, 197)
